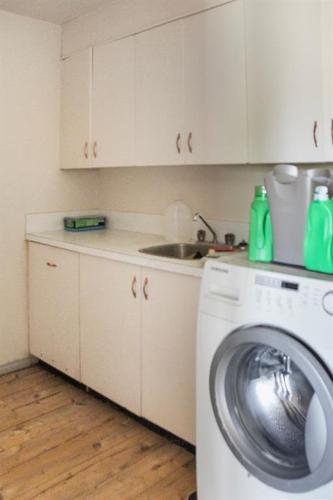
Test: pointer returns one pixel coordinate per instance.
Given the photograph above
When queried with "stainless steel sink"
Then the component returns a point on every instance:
(188, 251)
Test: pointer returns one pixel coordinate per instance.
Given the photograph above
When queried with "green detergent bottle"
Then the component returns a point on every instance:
(318, 242)
(260, 241)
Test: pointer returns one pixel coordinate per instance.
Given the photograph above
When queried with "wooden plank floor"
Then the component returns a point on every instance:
(58, 442)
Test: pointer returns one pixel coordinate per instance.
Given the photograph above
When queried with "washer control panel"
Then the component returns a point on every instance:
(275, 294)
(246, 294)
(272, 282)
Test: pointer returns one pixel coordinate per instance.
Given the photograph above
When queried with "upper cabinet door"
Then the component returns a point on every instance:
(159, 96)
(284, 81)
(327, 38)
(75, 110)
(215, 91)
(113, 104)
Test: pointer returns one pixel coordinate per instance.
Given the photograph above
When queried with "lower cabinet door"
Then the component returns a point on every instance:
(169, 315)
(110, 329)
(54, 307)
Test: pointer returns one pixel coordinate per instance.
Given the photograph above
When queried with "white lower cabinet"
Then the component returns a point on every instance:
(110, 330)
(168, 351)
(54, 307)
(126, 331)
(138, 329)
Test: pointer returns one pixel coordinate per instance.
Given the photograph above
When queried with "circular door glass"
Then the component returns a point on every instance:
(273, 404)
(271, 398)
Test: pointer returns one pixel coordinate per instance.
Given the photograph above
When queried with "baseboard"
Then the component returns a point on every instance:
(18, 365)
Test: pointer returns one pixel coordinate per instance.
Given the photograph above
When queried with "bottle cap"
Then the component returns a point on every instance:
(321, 193)
(260, 191)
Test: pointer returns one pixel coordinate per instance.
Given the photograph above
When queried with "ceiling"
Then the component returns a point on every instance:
(54, 11)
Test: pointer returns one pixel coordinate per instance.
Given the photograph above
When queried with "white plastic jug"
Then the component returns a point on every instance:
(178, 223)
(290, 191)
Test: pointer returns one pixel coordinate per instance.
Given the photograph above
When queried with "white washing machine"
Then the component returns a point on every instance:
(264, 383)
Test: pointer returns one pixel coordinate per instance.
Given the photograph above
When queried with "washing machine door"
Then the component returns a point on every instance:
(273, 402)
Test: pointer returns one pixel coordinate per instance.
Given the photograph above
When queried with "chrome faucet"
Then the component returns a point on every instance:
(214, 235)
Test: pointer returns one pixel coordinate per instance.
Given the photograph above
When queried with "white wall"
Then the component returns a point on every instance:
(30, 179)
(219, 192)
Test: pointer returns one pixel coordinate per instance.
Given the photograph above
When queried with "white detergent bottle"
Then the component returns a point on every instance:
(178, 225)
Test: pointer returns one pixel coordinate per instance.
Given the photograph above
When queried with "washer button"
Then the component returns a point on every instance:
(327, 302)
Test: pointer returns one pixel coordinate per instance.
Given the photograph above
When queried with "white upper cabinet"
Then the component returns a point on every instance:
(75, 110)
(159, 96)
(327, 38)
(215, 90)
(171, 95)
(284, 81)
(113, 104)
(190, 90)
(248, 81)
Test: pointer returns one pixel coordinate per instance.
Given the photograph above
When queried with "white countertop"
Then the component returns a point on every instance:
(118, 245)
(124, 246)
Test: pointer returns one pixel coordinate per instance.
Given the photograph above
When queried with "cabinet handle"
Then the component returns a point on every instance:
(189, 142)
(178, 143)
(315, 140)
(144, 289)
(133, 287)
(51, 264)
(95, 149)
(332, 130)
(85, 150)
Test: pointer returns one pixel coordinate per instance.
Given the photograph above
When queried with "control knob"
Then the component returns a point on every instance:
(327, 302)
